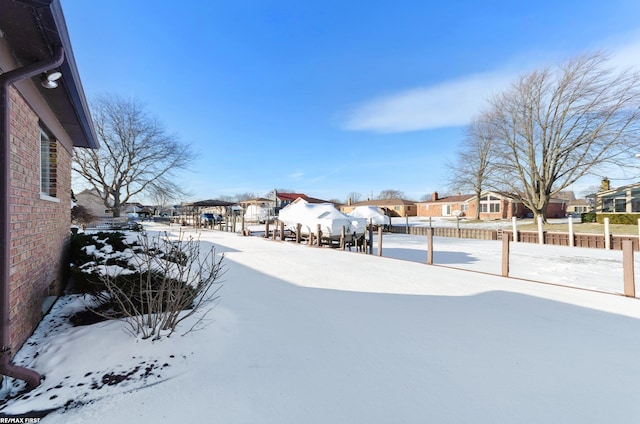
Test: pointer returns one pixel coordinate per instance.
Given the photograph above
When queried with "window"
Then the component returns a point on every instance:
(48, 157)
(635, 200)
(614, 204)
(446, 210)
(489, 204)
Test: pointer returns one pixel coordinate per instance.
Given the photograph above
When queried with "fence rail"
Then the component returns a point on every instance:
(553, 238)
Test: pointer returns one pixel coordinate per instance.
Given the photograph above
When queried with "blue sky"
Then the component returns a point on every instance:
(329, 97)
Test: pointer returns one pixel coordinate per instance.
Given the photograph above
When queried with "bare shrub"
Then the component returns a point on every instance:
(173, 281)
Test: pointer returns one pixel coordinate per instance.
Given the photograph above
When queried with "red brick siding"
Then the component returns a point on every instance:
(435, 209)
(39, 228)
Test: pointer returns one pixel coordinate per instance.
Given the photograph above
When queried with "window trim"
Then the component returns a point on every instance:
(48, 171)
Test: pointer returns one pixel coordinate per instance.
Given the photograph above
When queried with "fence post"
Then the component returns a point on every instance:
(628, 268)
(281, 230)
(540, 231)
(407, 224)
(379, 241)
(505, 255)
(319, 229)
(572, 241)
(266, 229)
(430, 246)
(342, 237)
(298, 230)
(514, 224)
(607, 235)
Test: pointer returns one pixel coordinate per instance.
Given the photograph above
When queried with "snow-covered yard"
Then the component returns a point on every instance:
(308, 335)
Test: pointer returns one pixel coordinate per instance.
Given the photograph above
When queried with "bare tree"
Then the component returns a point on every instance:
(354, 197)
(474, 162)
(80, 215)
(391, 194)
(241, 197)
(556, 125)
(137, 155)
(162, 200)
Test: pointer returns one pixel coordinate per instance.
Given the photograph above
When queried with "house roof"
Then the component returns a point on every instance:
(255, 201)
(577, 202)
(33, 29)
(210, 203)
(460, 198)
(385, 202)
(290, 197)
(616, 190)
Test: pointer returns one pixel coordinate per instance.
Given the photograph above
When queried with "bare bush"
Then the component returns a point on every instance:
(173, 281)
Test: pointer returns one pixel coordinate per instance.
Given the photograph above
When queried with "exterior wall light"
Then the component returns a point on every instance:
(49, 79)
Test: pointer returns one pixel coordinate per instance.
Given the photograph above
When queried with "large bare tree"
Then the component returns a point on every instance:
(391, 194)
(137, 155)
(474, 161)
(556, 125)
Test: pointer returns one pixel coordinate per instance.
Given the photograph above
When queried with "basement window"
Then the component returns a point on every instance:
(48, 165)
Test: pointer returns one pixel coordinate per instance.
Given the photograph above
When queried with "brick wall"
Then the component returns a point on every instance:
(39, 227)
(435, 209)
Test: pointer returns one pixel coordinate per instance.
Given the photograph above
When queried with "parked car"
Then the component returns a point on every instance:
(211, 218)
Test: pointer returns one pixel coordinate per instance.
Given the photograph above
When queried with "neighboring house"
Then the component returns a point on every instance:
(496, 205)
(457, 205)
(92, 201)
(493, 206)
(625, 199)
(391, 207)
(578, 206)
(283, 199)
(39, 128)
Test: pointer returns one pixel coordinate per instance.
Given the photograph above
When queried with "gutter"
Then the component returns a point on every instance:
(32, 378)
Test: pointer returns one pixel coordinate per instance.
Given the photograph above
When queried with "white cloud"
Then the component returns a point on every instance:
(451, 103)
(627, 55)
(296, 175)
(455, 102)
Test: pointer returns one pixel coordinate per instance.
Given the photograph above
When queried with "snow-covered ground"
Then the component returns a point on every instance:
(309, 335)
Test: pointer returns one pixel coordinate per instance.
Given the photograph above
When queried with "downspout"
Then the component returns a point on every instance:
(32, 378)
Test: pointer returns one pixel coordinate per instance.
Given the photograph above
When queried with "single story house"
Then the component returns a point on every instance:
(625, 199)
(44, 116)
(578, 206)
(391, 207)
(457, 205)
(493, 206)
